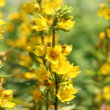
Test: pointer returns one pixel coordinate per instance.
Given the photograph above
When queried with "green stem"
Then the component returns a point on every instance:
(47, 101)
(42, 37)
(53, 38)
(56, 79)
(46, 106)
(56, 99)
(40, 4)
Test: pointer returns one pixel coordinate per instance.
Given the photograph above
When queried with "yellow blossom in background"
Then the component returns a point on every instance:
(1, 36)
(2, 3)
(106, 92)
(102, 35)
(24, 29)
(65, 24)
(102, 5)
(108, 32)
(13, 16)
(5, 99)
(28, 75)
(28, 7)
(40, 24)
(1, 23)
(20, 42)
(104, 11)
(54, 53)
(105, 69)
(66, 93)
(25, 60)
(49, 6)
(41, 73)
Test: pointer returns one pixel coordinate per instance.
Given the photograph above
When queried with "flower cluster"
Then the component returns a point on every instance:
(2, 3)
(103, 61)
(40, 54)
(1, 23)
(6, 97)
(54, 70)
(104, 10)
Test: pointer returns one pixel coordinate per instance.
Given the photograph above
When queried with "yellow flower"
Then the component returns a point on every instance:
(24, 29)
(73, 73)
(108, 32)
(65, 24)
(27, 7)
(37, 94)
(102, 35)
(105, 13)
(5, 99)
(50, 6)
(13, 16)
(66, 49)
(1, 23)
(102, 5)
(40, 24)
(59, 67)
(69, 72)
(29, 75)
(105, 69)
(66, 93)
(54, 53)
(106, 92)
(41, 73)
(20, 42)
(25, 60)
(1, 36)
(2, 3)
(40, 50)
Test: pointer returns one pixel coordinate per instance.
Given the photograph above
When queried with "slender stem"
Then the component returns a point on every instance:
(40, 5)
(53, 38)
(33, 106)
(47, 102)
(47, 107)
(56, 79)
(56, 99)
(42, 36)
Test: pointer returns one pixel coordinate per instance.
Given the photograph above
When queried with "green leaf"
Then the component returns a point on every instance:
(2, 108)
(5, 76)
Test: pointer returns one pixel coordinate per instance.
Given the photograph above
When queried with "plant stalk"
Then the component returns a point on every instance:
(56, 79)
